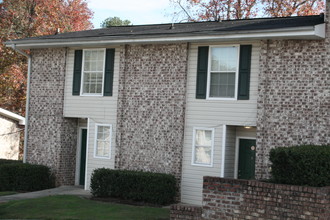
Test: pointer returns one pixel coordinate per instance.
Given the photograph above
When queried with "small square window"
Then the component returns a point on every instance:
(203, 147)
(102, 141)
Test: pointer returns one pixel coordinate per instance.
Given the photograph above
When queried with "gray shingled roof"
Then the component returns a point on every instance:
(184, 29)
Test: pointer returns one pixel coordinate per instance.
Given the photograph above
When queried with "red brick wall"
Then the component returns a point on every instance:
(250, 199)
(185, 212)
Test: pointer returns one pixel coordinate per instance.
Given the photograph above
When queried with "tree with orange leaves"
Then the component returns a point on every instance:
(29, 18)
(284, 8)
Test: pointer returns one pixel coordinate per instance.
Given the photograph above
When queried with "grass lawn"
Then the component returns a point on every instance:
(6, 193)
(74, 207)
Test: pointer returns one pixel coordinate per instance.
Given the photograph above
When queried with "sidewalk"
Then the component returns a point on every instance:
(62, 190)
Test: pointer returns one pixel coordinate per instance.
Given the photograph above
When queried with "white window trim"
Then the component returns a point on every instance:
(95, 141)
(82, 73)
(194, 148)
(209, 73)
(237, 152)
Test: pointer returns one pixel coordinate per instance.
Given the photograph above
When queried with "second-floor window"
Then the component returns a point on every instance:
(93, 71)
(223, 72)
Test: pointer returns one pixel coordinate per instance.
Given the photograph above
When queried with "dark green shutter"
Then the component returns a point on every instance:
(244, 72)
(202, 63)
(77, 72)
(108, 75)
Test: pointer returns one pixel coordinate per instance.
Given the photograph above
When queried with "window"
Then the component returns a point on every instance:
(103, 141)
(203, 147)
(93, 71)
(223, 72)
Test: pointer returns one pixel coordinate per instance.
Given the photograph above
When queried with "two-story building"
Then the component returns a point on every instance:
(190, 99)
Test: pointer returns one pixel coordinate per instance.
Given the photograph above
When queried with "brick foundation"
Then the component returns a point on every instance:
(51, 138)
(250, 199)
(185, 212)
(151, 106)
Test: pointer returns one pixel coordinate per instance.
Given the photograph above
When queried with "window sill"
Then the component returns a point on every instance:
(202, 165)
(92, 95)
(221, 99)
(99, 157)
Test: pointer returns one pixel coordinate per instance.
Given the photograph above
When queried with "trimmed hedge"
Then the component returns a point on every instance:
(301, 165)
(25, 177)
(5, 161)
(155, 188)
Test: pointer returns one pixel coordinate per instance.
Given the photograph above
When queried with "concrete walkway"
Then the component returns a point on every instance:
(62, 190)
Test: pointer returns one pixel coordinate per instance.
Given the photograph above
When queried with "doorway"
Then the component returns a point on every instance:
(83, 145)
(246, 158)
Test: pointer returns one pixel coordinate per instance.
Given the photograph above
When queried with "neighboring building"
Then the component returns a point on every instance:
(11, 128)
(190, 99)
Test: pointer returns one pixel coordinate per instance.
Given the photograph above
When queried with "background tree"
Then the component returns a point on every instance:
(216, 10)
(115, 21)
(283, 8)
(29, 18)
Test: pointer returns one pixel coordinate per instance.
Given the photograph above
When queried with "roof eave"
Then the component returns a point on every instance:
(307, 32)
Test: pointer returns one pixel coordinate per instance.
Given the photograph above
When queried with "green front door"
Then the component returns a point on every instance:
(246, 159)
(83, 142)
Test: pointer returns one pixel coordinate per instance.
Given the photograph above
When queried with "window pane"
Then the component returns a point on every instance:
(98, 88)
(222, 85)
(215, 59)
(93, 71)
(203, 155)
(102, 148)
(203, 138)
(100, 134)
(87, 66)
(106, 149)
(224, 58)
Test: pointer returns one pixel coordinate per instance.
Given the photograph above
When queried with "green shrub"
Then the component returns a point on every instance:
(301, 165)
(155, 188)
(25, 177)
(5, 161)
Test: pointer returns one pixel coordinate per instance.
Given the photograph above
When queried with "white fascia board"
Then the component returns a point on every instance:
(8, 114)
(310, 32)
(320, 30)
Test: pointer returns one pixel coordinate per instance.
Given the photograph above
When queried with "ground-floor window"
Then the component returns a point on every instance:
(102, 141)
(203, 141)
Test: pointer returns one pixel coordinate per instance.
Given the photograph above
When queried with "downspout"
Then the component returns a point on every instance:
(27, 100)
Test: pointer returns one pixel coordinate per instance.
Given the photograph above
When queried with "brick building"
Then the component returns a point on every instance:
(190, 99)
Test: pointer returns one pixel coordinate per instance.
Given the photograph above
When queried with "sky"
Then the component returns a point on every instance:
(137, 11)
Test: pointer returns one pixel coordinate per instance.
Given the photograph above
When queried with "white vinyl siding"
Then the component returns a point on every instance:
(97, 109)
(209, 113)
(230, 152)
(90, 106)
